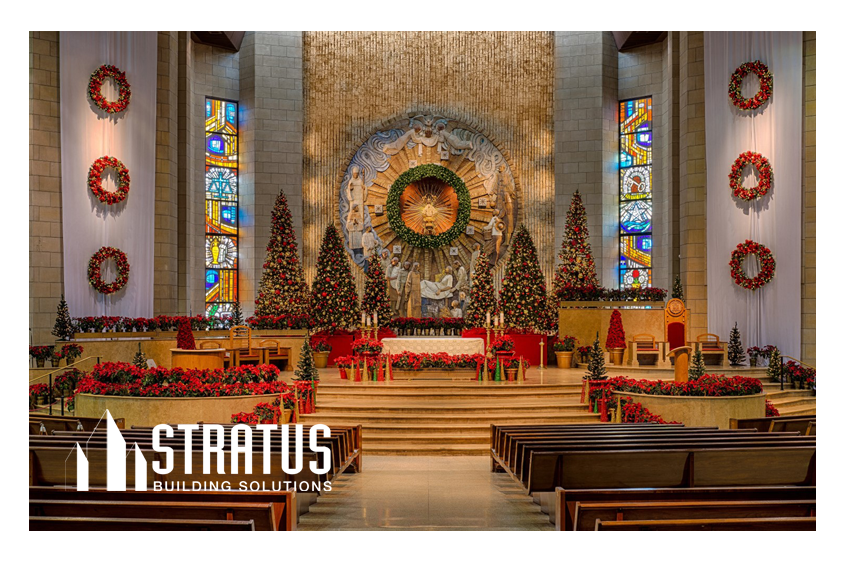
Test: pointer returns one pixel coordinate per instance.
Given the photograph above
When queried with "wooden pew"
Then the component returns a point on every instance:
(586, 513)
(764, 424)
(566, 499)
(260, 513)
(716, 524)
(284, 503)
(88, 424)
(796, 424)
(78, 524)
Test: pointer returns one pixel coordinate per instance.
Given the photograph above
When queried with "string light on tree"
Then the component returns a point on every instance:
(334, 300)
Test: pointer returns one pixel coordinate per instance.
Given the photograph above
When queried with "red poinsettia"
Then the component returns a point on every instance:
(185, 337)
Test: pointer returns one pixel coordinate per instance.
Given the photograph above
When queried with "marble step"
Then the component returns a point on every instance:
(795, 411)
(427, 449)
(341, 419)
(432, 408)
(427, 429)
(370, 440)
(452, 395)
(788, 393)
(790, 403)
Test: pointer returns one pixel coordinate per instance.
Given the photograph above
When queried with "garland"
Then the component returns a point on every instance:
(95, 86)
(394, 213)
(762, 165)
(735, 85)
(767, 265)
(95, 180)
(95, 277)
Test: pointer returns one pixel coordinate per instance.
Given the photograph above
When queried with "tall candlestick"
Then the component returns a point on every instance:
(363, 319)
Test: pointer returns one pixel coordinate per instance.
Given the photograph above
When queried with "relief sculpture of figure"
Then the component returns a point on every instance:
(369, 242)
(399, 305)
(412, 292)
(493, 236)
(440, 289)
(453, 141)
(356, 192)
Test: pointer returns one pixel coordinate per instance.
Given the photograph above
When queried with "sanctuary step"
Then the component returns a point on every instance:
(790, 401)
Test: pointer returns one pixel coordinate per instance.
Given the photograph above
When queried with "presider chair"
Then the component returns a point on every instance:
(674, 326)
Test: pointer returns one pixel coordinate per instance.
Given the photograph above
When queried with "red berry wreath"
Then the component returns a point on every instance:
(95, 87)
(766, 85)
(764, 256)
(95, 180)
(763, 167)
(95, 277)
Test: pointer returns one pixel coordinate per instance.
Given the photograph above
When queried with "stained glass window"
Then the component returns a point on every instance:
(221, 207)
(635, 193)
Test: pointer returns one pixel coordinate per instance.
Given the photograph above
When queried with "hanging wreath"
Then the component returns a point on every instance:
(95, 180)
(764, 256)
(394, 212)
(95, 87)
(735, 86)
(763, 167)
(95, 277)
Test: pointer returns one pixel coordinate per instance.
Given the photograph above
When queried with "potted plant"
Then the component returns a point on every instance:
(321, 349)
(366, 347)
(40, 353)
(511, 367)
(56, 358)
(503, 346)
(38, 394)
(344, 363)
(753, 353)
(584, 354)
(72, 351)
(65, 383)
(615, 343)
(564, 350)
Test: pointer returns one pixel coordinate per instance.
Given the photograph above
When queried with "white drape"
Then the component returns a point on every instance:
(88, 133)
(772, 314)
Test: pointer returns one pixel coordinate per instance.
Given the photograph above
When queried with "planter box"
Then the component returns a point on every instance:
(702, 411)
(434, 373)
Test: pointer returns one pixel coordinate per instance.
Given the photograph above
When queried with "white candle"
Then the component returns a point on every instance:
(375, 319)
(496, 322)
(363, 316)
(368, 320)
(488, 318)
(501, 318)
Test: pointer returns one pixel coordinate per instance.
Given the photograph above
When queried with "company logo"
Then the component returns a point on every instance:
(217, 446)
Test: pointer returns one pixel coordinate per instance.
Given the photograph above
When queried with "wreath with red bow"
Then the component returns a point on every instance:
(95, 180)
(766, 85)
(95, 277)
(95, 89)
(763, 167)
(764, 256)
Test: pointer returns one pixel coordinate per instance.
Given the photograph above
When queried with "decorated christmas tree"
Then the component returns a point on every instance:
(282, 290)
(140, 359)
(615, 332)
(482, 296)
(237, 315)
(63, 329)
(596, 369)
(185, 336)
(678, 288)
(523, 294)
(696, 369)
(576, 272)
(305, 369)
(736, 353)
(774, 370)
(334, 300)
(376, 299)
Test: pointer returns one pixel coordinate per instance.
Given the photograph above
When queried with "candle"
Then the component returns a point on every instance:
(375, 319)
(363, 316)
(368, 320)
(488, 318)
(501, 318)
(496, 322)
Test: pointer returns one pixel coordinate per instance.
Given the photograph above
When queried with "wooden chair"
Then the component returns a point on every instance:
(710, 345)
(273, 351)
(675, 324)
(241, 348)
(645, 345)
(215, 345)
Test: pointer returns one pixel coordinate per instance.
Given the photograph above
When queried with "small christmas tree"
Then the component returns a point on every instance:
(576, 272)
(696, 369)
(376, 299)
(334, 300)
(63, 329)
(482, 296)
(523, 294)
(305, 369)
(185, 336)
(736, 353)
(678, 288)
(596, 369)
(615, 332)
(237, 318)
(282, 290)
(774, 370)
(140, 359)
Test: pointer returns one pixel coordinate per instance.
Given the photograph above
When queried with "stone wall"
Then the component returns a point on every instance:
(808, 264)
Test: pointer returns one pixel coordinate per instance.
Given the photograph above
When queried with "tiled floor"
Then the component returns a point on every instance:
(425, 493)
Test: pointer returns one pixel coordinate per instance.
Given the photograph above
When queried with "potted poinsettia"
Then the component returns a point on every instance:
(366, 347)
(564, 350)
(615, 343)
(503, 346)
(40, 353)
(321, 349)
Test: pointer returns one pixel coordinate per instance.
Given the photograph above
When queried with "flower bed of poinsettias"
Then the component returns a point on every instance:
(127, 380)
(704, 386)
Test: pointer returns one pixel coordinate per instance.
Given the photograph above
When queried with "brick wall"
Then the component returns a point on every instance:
(808, 264)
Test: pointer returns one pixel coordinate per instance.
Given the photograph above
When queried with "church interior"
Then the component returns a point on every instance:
(422, 281)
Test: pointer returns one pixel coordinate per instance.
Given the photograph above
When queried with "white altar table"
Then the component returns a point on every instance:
(452, 346)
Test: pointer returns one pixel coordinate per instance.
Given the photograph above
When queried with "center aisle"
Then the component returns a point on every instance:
(425, 493)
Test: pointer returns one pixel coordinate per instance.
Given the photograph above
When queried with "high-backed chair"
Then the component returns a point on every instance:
(710, 345)
(644, 345)
(273, 351)
(241, 346)
(675, 324)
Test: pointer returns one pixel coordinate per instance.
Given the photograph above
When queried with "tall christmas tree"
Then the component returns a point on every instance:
(305, 368)
(63, 329)
(334, 300)
(596, 369)
(376, 299)
(482, 296)
(576, 272)
(615, 332)
(282, 290)
(523, 294)
(678, 288)
(736, 354)
(237, 315)
(697, 368)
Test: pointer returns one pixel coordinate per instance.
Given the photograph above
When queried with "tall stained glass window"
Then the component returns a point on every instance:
(221, 207)
(635, 193)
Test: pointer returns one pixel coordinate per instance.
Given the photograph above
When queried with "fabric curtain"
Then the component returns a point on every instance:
(88, 133)
(771, 314)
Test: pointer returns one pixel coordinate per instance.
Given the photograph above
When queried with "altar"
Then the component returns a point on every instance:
(421, 345)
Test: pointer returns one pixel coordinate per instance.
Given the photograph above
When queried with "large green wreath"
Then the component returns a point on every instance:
(394, 213)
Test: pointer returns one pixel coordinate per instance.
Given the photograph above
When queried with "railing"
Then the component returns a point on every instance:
(780, 375)
(49, 375)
